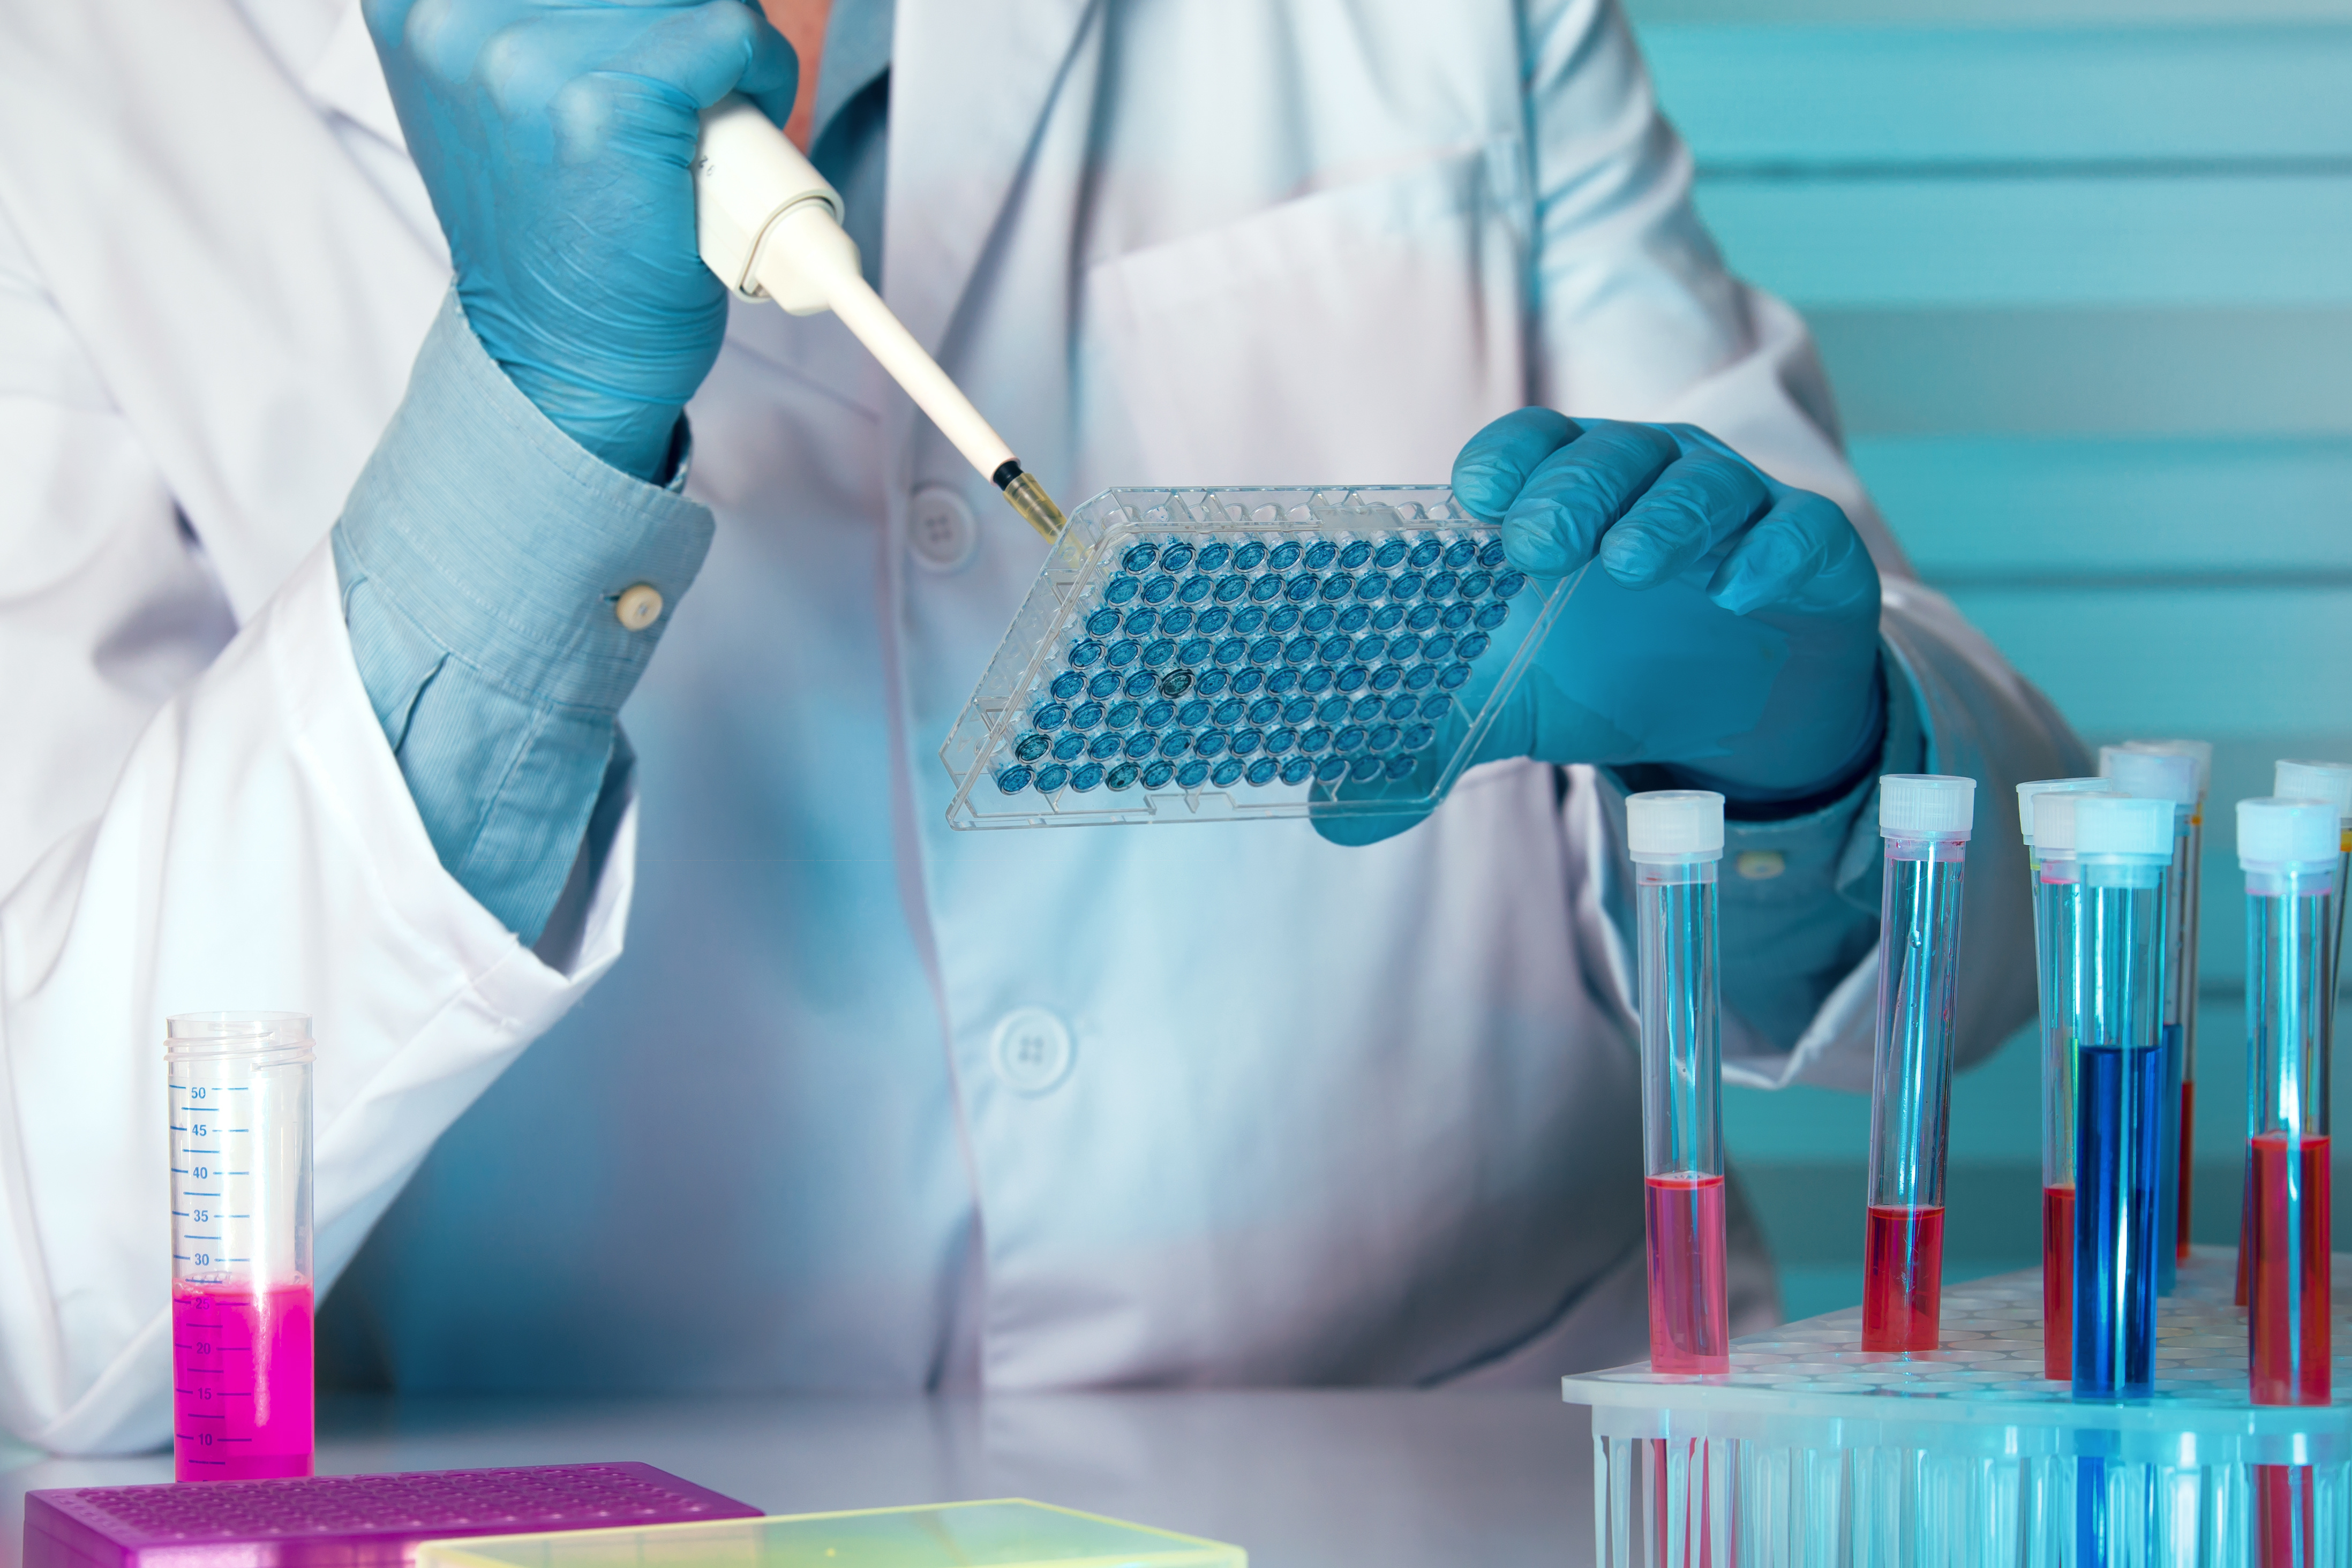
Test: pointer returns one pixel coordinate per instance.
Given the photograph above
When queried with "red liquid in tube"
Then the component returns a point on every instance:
(1903, 1278)
(2286, 1324)
(2058, 1282)
(2187, 1160)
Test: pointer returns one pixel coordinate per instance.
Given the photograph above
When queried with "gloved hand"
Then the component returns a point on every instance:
(555, 138)
(1728, 626)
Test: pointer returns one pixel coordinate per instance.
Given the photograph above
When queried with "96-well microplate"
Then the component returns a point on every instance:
(1214, 654)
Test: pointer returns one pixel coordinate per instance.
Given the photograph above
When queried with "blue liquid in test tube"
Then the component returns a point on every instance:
(2122, 849)
(2145, 770)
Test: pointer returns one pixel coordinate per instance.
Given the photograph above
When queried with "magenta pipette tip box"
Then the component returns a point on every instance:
(346, 1521)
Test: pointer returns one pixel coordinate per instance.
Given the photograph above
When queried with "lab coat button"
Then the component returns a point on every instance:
(1031, 1051)
(939, 527)
(639, 606)
(1760, 865)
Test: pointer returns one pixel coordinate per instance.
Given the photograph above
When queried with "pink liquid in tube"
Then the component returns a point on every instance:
(241, 1381)
(1690, 1331)
(1902, 1278)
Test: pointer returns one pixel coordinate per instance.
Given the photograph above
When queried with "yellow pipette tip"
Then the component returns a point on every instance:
(1028, 498)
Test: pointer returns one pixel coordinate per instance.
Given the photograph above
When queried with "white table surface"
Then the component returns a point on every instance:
(1302, 1479)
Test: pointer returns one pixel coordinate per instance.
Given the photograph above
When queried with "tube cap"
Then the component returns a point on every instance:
(2200, 752)
(2151, 775)
(1926, 806)
(2329, 782)
(2123, 825)
(1672, 826)
(2272, 833)
(2026, 793)
(2054, 818)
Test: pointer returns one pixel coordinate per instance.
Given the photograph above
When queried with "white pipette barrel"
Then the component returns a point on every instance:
(770, 226)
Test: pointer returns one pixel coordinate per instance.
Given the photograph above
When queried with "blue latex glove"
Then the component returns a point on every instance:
(1727, 627)
(556, 139)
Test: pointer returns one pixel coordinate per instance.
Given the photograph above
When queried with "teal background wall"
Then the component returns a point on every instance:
(2081, 273)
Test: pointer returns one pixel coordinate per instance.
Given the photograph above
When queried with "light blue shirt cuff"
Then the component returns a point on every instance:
(481, 556)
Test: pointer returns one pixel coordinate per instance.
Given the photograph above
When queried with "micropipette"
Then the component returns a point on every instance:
(2144, 770)
(1926, 819)
(2288, 849)
(770, 226)
(239, 1094)
(2048, 827)
(1675, 838)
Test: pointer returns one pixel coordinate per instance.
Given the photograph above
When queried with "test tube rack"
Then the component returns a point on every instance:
(1812, 1450)
(1248, 653)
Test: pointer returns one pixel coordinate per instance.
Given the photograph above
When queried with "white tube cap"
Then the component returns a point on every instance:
(2330, 781)
(2200, 752)
(2151, 775)
(2272, 833)
(2026, 794)
(1671, 826)
(2054, 818)
(1926, 806)
(2123, 825)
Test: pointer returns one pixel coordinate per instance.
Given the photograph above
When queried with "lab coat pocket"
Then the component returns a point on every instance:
(1357, 334)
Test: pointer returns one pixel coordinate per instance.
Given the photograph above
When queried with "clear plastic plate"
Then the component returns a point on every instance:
(1252, 652)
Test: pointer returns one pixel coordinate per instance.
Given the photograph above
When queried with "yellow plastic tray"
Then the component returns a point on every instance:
(1010, 1533)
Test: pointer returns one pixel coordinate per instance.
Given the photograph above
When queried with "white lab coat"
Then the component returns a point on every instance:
(1328, 1114)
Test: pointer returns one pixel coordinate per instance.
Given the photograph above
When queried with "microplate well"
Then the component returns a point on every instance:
(1008, 1534)
(1191, 655)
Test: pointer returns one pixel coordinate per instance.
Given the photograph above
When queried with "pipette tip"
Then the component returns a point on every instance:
(1028, 498)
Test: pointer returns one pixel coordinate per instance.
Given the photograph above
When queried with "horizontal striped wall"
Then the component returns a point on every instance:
(2081, 275)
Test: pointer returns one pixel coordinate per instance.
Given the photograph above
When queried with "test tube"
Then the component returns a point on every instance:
(2192, 878)
(239, 1092)
(1925, 820)
(2292, 780)
(2289, 850)
(1675, 838)
(2142, 770)
(2045, 817)
(2122, 849)
(2332, 782)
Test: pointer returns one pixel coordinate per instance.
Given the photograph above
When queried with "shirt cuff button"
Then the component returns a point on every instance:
(639, 606)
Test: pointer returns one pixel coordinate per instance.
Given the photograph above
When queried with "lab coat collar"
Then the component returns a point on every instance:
(976, 79)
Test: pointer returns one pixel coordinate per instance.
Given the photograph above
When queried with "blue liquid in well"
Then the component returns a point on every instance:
(2119, 1129)
(1361, 642)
